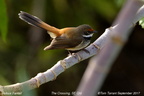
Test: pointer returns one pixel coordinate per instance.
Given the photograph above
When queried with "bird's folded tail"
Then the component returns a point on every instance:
(35, 21)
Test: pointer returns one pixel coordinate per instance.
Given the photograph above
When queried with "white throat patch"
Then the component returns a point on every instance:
(88, 36)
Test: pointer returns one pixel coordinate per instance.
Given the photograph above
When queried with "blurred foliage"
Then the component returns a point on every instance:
(3, 19)
(22, 57)
(141, 22)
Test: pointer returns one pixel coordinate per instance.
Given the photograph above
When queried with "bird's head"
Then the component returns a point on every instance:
(86, 31)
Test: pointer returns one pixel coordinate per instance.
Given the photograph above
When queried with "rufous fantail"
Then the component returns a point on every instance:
(70, 38)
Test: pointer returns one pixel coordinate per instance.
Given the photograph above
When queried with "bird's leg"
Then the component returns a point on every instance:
(69, 53)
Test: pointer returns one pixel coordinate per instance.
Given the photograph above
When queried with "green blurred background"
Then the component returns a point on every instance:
(21, 45)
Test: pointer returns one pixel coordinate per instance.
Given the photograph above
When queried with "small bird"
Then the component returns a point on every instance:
(69, 38)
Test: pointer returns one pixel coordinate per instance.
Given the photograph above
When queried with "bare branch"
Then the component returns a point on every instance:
(100, 65)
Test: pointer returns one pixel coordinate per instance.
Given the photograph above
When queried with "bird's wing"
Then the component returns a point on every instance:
(62, 43)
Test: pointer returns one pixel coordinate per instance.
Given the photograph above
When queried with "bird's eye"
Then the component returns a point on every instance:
(88, 32)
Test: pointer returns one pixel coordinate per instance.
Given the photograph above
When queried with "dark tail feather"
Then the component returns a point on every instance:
(33, 20)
